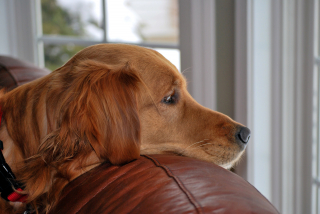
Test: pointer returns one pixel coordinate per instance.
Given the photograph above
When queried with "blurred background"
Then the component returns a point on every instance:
(254, 60)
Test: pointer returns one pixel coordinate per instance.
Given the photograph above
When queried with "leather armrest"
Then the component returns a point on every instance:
(161, 184)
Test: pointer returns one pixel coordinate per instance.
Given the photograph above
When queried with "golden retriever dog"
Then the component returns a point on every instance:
(109, 103)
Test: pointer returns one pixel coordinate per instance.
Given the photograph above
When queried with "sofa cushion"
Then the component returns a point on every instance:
(161, 184)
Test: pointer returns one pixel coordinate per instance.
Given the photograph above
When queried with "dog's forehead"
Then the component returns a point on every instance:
(157, 72)
(161, 80)
(154, 69)
(119, 54)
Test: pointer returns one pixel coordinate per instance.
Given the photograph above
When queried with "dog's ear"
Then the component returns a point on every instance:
(103, 111)
(88, 106)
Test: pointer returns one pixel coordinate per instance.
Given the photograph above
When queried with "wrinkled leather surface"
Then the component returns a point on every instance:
(14, 72)
(161, 184)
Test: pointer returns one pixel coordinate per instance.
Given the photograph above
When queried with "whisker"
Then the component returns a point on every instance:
(196, 143)
(202, 141)
(186, 70)
(205, 144)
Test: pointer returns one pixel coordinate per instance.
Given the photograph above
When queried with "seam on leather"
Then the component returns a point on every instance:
(193, 201)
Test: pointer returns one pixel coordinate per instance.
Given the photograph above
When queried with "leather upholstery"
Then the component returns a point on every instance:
(161, 184)
(15, 72)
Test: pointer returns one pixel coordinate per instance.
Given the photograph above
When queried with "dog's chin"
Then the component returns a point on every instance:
(228, 165)
(200, 155)
(233, 159)
(234, 162)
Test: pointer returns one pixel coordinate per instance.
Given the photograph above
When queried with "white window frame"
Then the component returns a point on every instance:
(316, 136)
(63, 40)
(290, 107)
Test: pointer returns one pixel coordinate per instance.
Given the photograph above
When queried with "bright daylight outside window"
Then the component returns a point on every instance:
(316, 116)
(70, 25)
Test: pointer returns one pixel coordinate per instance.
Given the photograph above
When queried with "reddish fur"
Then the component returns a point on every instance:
(105, 104)
(79, 109)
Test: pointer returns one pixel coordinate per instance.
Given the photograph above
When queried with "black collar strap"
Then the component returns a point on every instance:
(9, 187)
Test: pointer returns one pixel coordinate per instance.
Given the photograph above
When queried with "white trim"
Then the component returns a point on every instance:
(297, 124)
(316, 111)
(276, 102)
(250, 149)
(19, 29)
(288, 108)
(37, 20)
(261, 96)
(241, 76)
(104, 21)
(197, 45)
(60, 40)
(306, 169)
(292, 61)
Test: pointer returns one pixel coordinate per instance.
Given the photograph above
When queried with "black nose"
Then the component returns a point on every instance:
(244, 134)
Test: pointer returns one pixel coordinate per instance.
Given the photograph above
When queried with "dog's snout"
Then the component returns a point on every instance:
(244, 134)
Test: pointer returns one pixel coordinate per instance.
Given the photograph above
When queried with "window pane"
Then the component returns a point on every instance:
(80, 18)
(57, 55)
(173, 55)
(147, 21)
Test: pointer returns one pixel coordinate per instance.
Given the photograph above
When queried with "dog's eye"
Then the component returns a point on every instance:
(171, 99)
(168, 100)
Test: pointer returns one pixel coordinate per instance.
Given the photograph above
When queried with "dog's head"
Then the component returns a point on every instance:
(119, 101)
(110, 102)
(140, 104)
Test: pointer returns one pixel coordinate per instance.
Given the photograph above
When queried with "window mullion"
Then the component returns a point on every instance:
(105, 21)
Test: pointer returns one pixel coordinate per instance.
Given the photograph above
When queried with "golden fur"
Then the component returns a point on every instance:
(110, 102)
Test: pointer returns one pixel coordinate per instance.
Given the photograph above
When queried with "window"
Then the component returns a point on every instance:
(67, 26)
(190, 41)
(277, 69)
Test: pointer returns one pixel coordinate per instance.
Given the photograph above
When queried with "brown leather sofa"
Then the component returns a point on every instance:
(151, 184)
(14, 72)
